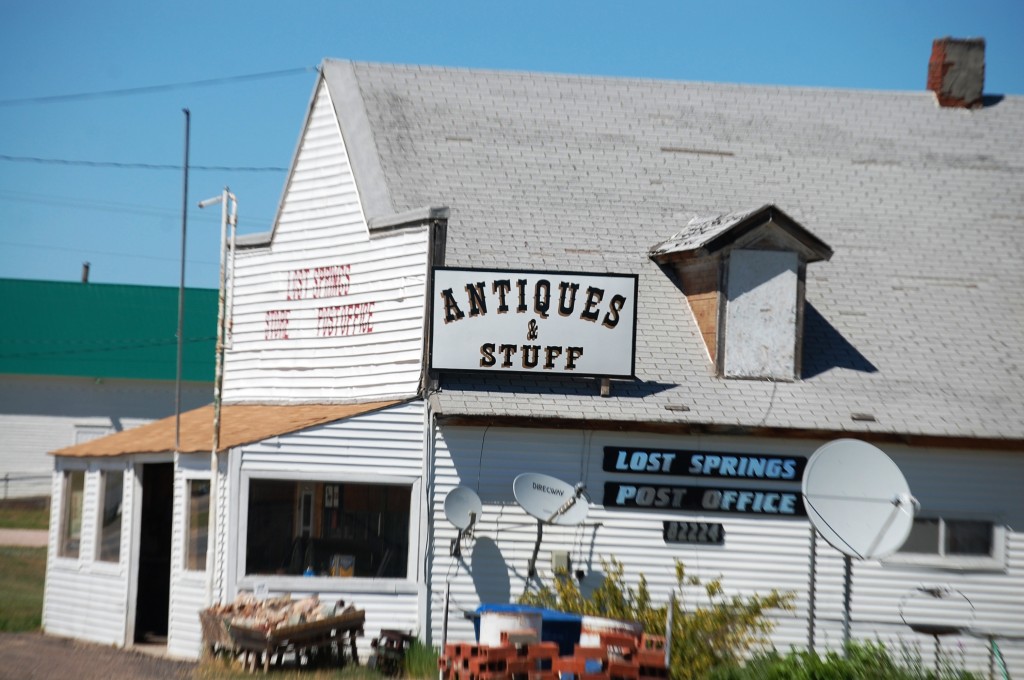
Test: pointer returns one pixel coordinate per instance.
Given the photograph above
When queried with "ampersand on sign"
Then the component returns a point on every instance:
(531, 330)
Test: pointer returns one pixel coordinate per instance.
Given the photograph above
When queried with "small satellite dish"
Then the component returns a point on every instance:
(937, 610)
(549, 499)
(462, 507)
(858, 499)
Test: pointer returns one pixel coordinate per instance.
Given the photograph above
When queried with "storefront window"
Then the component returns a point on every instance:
(112, 485)
(71, 513)
(198, 530)
(327, 529)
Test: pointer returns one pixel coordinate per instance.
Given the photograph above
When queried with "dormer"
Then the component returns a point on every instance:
(743, 276)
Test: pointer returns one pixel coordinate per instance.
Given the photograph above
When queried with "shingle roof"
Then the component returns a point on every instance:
(916, 319)
(99, 330)
(709, 232)
(240, 424)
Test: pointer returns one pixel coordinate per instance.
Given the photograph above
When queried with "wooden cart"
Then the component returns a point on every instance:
(330, 641)
(216, 637)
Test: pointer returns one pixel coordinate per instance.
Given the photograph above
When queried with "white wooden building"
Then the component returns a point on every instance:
(883, 251)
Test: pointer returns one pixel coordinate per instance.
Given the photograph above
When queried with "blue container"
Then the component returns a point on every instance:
(555, 626)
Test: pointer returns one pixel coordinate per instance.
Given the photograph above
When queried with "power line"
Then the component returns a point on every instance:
(103, 206)
(149, 89)
(104, 346)
(15, 244)
(53, 200)
(139, 166)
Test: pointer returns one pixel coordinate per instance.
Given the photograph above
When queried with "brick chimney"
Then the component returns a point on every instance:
(956, 71)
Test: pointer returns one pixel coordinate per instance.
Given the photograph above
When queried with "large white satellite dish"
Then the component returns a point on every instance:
(858, 499)
(549, 499)
(462, 507)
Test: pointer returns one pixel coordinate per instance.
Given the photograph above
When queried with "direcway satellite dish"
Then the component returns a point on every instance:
(463, 508)
(549, 499)
(858, 499)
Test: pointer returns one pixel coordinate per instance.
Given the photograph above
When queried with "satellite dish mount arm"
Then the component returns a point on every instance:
(579, 491)
(531, 570)
(456, 545)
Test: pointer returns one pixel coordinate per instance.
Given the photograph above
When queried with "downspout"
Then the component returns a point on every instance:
(218, 386)
(436, 244)
(220, 512)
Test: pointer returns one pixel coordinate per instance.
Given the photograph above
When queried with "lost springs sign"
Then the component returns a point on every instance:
(533, 322)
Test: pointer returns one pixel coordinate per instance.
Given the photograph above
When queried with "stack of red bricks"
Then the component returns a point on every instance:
(521, 656)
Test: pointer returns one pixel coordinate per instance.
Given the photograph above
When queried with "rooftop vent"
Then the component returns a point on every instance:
(956, 72)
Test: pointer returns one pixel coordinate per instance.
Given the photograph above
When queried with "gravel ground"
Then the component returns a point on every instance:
(30, 656)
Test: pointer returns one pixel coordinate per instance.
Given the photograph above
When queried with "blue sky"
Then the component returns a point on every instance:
(126, 221)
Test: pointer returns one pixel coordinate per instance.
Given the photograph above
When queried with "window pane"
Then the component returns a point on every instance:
(964, 537)
(359, 530)
(198, 531)
(71, 513)
(110, 523)
(924, 537)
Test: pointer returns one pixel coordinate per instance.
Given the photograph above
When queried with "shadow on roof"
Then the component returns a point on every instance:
(548, 384)
(825, 347)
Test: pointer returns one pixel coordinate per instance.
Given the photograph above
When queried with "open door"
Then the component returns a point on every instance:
(152, 604)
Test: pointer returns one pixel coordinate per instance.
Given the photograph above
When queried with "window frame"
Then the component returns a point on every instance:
(101, 498)
(994, 562)
(66, 512)
(406, 585)
(187, 521)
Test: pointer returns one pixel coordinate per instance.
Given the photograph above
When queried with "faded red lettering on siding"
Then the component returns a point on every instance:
(275, 324)
(319, 283)
(339, 320)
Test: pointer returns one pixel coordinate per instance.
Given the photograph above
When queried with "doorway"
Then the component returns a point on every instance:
(152, 604)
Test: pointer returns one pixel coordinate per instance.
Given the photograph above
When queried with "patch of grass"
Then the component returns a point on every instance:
(420, 661)
(21, 588)
(25, 513)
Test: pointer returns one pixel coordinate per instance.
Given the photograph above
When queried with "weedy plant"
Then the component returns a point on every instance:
(420, 661)
(705, 636)
(857, 661)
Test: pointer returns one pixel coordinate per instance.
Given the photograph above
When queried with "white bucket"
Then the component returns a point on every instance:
(591, 628)
(493, 624)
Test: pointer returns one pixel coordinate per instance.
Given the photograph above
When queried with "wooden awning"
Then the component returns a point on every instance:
(240, 424)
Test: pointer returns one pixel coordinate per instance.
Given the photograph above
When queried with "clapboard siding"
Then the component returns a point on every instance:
(760, 554)
(188, 598)
(321, 224)
(188, 593)
(389, 441)
(380, 445)
(84, 598)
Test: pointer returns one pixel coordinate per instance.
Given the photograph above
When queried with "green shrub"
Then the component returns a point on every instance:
(861, 661)
(703, 637)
